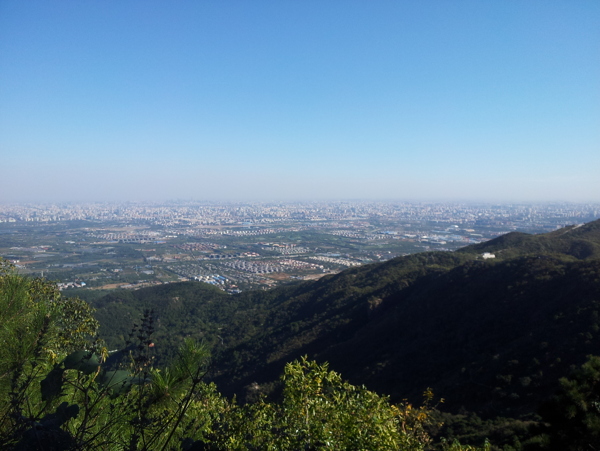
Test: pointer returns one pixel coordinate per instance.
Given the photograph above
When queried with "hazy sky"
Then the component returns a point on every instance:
(299, 99)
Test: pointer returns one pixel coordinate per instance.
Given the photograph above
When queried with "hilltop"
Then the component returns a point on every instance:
(578, 241)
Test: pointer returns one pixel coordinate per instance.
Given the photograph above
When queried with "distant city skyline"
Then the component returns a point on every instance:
(435, 101)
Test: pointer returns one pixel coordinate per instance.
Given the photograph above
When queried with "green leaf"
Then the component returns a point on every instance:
(120, 381)
(84, 361)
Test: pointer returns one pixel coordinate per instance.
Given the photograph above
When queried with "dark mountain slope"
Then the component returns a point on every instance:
(492, 336)
(322, 314)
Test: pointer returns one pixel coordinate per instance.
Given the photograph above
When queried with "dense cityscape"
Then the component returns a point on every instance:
(214, 213)
(239, 246)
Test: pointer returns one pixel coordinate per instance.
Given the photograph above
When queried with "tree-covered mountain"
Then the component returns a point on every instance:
(60, 392)
(491, 336)
(579, 241)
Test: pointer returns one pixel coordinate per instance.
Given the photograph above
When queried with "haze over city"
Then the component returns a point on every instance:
(150, 101)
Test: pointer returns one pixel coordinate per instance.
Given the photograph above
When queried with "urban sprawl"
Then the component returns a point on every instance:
(239, 246)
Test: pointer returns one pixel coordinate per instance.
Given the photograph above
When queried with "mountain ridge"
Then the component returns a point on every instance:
(581, 241)
(491, 336)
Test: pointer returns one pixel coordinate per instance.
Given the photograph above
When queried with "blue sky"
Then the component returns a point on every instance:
(293, 100)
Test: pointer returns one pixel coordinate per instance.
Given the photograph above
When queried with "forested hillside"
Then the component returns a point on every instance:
(60, 392)
(491, 336)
